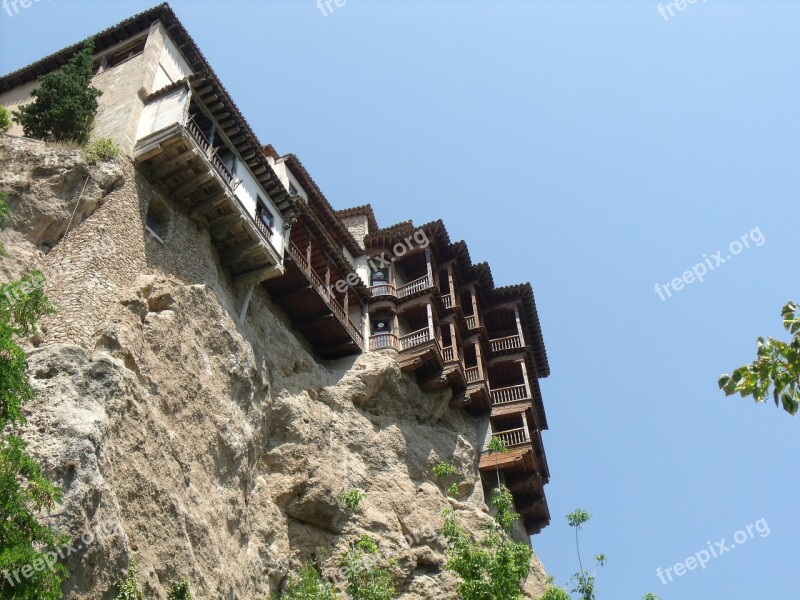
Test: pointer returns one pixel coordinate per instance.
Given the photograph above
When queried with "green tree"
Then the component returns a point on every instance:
(776, 368)
(28, 567)
(5, 119)
(309, 585)
(494, 567)
(65, 103)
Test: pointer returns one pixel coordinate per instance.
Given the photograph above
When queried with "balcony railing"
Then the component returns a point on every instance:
(318, 282)
(471, 322)
(381, 341)
(383, 289)
(448, 301)
(506, 343)
(202, 141)
(513, 437)
(448, 354)
(415, 339)
(473, 374)
(264, 222)
(415, 286)
(510, 394)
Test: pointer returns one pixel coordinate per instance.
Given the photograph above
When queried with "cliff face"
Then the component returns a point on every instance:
(199, 443)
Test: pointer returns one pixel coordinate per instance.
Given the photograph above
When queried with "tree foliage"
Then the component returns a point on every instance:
(776, 368)
(65, 103)
(28, 566)
(5, 119)
(493, 567)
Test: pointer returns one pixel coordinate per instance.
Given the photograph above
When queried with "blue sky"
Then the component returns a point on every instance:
(595, 149)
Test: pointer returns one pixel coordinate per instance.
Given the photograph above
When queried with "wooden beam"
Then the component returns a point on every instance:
(192, 185)
(207, 204)
(256, 276)
(223, 225)
(174, 163)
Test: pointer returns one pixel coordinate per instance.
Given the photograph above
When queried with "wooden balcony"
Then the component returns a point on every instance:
(473, 374)
(448, 301)
(383, 341)
(507, 343)
(422, 353)
(472, 322)
(514, 393)
(313, 309)
(417, 338)
(414, 287)
(449, 354)
(383, 289)
(514, 437)
(182, 160)
(319, 284)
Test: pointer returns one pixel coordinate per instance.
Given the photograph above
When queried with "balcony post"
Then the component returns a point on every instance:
(527, 431)
(328, 283)
(308, 253)
(454, 342)
(474, 298)
(452, 283)
(365, 325)
(428, 264)
(431, 333)
(525, 378)
(480, 360)
(519, 326)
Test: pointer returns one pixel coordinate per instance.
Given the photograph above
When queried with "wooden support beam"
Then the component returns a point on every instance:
(208, 204)
(223, 225)
(237, 254)
(174, 164)
(255, 276)
(192, 185)
(279, 297)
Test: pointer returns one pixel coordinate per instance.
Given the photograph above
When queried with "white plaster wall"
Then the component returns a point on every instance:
(172, 66)
(163, 112)
(247, 191)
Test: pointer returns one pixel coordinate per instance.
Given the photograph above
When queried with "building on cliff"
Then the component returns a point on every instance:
(345, 283)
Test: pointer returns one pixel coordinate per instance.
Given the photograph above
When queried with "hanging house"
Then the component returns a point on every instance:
(347, 285)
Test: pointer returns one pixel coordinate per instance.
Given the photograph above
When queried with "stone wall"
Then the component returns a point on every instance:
(358, 227)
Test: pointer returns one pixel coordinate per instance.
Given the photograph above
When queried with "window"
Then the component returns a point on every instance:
(292, 190)
(264, 217)
(157, 219)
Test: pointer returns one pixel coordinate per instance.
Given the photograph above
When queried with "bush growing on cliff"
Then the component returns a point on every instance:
(128, 587)
(181, 591)
(28, 567)
(65, 103)
(308, 585)
(100, 150)
(5, 119)
(352, 498)
(365, 581)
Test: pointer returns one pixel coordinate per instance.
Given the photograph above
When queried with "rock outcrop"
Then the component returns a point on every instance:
(202, 443)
